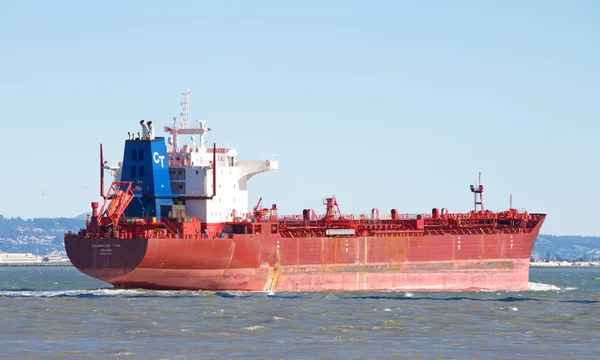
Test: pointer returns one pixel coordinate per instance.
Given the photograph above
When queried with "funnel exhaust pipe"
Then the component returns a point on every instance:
(150, 130)
(145, 130)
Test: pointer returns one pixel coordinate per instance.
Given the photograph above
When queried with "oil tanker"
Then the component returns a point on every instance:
(177, 217)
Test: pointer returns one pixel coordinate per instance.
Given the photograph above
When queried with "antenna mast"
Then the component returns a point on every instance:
(184, 128)
(185, 110)
(477, 189)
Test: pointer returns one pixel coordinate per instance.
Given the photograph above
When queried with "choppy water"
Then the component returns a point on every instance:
(59, 313)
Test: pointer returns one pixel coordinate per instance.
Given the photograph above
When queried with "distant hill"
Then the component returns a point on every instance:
(581, 248)
(83, 216)
(41, 236)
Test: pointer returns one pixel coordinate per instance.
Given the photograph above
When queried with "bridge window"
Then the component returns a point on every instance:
(141, 170)
(141, 155)
(134, 155)
(133, 172)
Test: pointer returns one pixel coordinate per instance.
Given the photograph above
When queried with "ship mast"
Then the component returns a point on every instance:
(174, 134)
(185, 110)
(184, 126)
(477, 189)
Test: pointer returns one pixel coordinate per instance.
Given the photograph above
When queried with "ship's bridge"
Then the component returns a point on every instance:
(209, 182)
(218, 197)
(206, 182)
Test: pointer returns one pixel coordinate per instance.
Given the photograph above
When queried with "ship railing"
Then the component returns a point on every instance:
(370, 217)
(351, 217)
(139, 220)
(196, 192)
(219, 150)
(466, 219)
(175, 191)
(152, 220)
(270, 158)
(188, 162)
(475, 231)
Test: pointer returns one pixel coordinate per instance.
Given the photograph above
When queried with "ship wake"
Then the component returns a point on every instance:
(533, 286)
(98, 293)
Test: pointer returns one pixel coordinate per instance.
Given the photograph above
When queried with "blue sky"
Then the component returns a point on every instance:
(387, 104)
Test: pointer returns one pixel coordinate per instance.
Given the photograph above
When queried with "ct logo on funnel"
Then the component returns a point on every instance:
(159, 159)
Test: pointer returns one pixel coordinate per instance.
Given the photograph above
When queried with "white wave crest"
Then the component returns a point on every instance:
(92, 292)
(512, 309)
(532, 286)
(256, 328)
(124, 353)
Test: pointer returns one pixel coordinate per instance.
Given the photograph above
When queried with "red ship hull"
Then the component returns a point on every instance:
(268, 262)
(158, 228)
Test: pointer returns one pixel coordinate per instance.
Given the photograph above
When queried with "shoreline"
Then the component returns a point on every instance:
(68, 263)
(565, 264)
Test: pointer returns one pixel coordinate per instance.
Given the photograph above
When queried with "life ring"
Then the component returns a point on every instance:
(267, 163)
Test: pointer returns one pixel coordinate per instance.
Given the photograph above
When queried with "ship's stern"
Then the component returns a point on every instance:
(105, 258)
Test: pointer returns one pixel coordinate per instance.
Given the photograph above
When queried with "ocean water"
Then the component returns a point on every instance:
(59, 313)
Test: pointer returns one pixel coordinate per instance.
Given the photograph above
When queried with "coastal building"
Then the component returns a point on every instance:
(19, 258)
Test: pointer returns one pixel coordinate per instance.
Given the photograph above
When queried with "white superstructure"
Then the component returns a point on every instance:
(191, 172)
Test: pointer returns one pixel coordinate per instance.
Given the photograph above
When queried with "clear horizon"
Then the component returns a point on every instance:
(389, 104)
